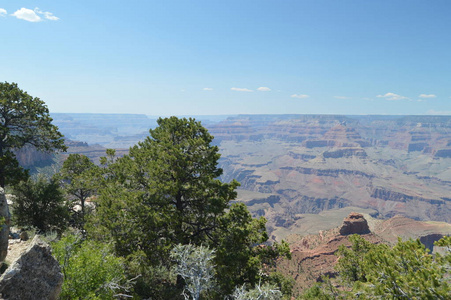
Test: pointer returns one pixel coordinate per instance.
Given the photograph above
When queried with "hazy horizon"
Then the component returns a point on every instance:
(250, 114)
(231, 57)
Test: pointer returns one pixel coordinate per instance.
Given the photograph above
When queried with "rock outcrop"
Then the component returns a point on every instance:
(34, 275)
(355, 223)
(315, 255)
(4, 225)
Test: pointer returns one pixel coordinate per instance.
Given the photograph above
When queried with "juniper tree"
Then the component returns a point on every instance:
(166, 192)
(76, 178)
(168, 185)
(40, 203)
(24, 120)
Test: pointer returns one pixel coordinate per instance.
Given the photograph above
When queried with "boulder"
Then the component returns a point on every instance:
(34, 275)
(354, 223)
(4, 225)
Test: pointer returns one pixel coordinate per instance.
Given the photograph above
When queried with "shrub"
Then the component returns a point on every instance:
(40, 203)
(90, 269)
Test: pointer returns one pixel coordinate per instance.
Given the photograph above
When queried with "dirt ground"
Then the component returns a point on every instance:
(15, 249)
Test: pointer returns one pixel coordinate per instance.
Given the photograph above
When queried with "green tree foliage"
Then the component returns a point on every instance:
(350, 263)
(40, 203)
(405, 271)
(155, 281)
(195, 265)
(325, 291)
(91, 271)
(166, 192)
(24, 120)
(167, 184)
(445, 242)
(76, 178)
(283, 283)
(11, 170)
(241, 255)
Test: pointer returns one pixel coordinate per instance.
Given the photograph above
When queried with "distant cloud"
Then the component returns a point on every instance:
(27, 15)
(392, 97)
(34, 15)
(50, 16)
(3, 12)
(264, 89)
(440, 112)
(207, 89)
(300, 96)
(427, 96)
(341, 97)
(241, 89)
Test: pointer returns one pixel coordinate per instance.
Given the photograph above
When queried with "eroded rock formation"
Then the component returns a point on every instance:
(355, 223)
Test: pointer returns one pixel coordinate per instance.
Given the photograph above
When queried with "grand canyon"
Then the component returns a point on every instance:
(304, 173)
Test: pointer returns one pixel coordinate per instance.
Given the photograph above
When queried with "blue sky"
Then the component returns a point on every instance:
(230, 57)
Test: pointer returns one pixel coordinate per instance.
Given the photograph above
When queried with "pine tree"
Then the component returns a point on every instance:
(24, 120)
(166, 192)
